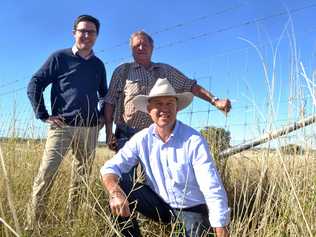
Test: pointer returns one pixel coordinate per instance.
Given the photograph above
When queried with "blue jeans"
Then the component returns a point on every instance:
(195, 224)
(151, 205)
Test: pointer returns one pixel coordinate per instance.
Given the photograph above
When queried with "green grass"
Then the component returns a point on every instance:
(270, 195)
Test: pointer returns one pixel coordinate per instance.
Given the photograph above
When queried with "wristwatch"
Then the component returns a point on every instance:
(214, 99)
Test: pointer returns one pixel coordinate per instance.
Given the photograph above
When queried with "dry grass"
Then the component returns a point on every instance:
(270, 195)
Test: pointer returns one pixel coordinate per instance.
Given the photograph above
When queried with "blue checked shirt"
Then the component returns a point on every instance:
(181, 170)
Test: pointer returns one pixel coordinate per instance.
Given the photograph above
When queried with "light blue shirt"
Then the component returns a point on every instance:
(181, 170)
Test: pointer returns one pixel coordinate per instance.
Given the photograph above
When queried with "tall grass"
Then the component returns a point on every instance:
(271, 194)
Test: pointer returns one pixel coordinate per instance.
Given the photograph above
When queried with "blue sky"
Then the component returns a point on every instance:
(210, 41)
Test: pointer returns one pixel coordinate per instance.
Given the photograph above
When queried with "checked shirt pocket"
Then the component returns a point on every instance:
(133, 88)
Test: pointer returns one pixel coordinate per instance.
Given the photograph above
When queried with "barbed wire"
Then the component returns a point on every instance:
(250, 131)
(13, 91)
(241, 132)
(179, 25)
(222, 30)
(228, 52)
(222, 53)
(3, 85)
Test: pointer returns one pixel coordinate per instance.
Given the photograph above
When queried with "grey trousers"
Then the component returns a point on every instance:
(82, 142)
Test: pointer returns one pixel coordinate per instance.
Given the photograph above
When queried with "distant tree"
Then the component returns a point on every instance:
(218, 139)
(292, 149)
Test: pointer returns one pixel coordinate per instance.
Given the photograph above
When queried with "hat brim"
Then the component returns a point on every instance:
(183, 100)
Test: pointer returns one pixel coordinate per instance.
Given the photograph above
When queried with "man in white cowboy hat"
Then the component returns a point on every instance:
(181, 178)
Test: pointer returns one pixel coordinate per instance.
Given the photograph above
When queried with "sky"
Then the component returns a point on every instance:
(250, 51)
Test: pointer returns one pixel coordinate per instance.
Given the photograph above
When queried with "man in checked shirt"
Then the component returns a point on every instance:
(139, 77)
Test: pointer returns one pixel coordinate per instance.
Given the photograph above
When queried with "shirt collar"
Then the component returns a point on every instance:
(75, 51)
(174, 131)
(137, 65)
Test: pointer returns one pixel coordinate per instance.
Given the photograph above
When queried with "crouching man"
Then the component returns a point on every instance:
(181, 178)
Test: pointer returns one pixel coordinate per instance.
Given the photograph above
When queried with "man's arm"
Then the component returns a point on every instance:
(211, 186)
(117, 198)
(183, 83)
(121, 163)
(35, 91)
(112, 99)
(40, 80)
(102, 90)
(108, 115)
(222, 104)
(221, 231)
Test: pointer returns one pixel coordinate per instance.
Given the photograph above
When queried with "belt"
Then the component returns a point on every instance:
(201, 208)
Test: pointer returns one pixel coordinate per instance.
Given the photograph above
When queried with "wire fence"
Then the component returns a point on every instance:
(246, 121)
(243, 123)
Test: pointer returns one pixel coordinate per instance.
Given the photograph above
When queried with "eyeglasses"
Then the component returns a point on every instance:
(85, 32)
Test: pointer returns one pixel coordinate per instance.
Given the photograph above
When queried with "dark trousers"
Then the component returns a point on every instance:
(147, 202)
(123, 133)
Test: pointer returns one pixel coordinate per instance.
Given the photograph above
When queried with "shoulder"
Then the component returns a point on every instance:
(193, 142)
(188, 129)
(168, 68)
(163, 65)
(99, 61)
(62, 52)
(189, 133)
(140, 138)
(57, 58)
(120, 70)
(142, 134)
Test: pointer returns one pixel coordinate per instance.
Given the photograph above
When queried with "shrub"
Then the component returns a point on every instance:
(218, 139)
(292, 149)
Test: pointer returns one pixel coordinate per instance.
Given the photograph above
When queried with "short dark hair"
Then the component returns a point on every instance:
(92, 19)
(141, 33)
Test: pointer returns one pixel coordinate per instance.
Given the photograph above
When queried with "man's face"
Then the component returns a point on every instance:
(85, 35)
(142, 49)
(163, 111)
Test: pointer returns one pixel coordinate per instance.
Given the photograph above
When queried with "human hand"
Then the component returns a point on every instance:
(56, 121)
(119, 204)
(221, 232)
(224, 105)
(111, 141)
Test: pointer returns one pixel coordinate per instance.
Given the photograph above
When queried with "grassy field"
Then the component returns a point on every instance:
(270, 194)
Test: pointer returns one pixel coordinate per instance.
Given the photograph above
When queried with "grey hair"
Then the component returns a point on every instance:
(141, 33)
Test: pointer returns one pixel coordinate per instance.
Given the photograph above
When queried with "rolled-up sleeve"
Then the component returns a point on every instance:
(211, 186)
(123, 161)
(179, 81)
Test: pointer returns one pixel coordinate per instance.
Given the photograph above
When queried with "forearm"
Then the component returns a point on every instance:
(222, 104)
(108, 115)
(110, 182)
(200, 92)
(35, 95)
(117, 199)
(221, 231)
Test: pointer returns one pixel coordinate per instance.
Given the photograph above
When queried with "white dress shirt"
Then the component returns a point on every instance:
(181, 171)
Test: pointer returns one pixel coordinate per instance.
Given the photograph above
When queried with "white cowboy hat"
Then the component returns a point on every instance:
(162, 87)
